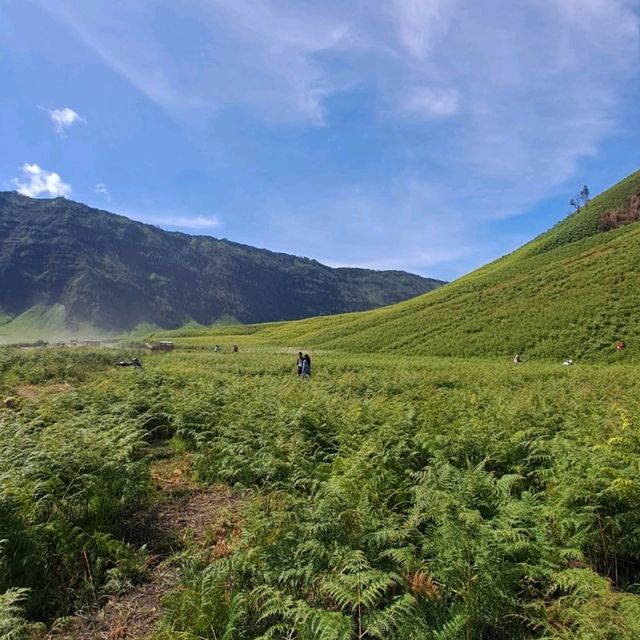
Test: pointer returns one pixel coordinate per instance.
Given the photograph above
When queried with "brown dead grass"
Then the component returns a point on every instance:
(31, 391)
(175, 473)
(615, 218)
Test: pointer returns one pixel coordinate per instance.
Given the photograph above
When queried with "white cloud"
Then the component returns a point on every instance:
(421, 24)
(177, 221)
(101, 189)
(432, 102)
(63, 118)
(196, 222)
(36, 181)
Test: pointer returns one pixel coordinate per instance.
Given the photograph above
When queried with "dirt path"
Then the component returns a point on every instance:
(202, 518)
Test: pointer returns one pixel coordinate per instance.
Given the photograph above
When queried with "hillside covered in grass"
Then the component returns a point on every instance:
(572, 291)
(67, 265)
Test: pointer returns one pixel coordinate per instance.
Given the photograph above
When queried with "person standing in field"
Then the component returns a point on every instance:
(299, 362)
(306, 366)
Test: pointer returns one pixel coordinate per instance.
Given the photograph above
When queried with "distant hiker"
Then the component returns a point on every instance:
(216, 348)
(135, 363)
(234, 349)
(621, 345)
(306, 366)
(516, 359)
(568, 362)
(300, 362)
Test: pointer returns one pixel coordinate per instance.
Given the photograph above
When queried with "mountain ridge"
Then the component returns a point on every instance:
(115, 273)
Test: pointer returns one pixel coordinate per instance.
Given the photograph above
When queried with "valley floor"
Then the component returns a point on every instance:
(215, 495)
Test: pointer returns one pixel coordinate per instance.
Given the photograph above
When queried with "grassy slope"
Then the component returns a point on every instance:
(571, 291)
(43, 322)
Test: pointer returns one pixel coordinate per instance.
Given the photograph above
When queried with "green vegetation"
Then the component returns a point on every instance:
(72, 464)
(32, 324)
(394, 496)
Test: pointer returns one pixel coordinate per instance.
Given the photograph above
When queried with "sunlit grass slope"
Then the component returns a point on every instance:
(43, 322)
(572, 291)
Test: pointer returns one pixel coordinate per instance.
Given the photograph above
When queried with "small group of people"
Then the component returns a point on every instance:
(303, 364)
(217, 348)
(620, 346)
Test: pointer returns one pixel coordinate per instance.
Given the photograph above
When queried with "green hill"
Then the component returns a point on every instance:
(572, 291)
(108, 273)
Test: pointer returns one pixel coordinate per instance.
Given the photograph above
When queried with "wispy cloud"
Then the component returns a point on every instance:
(63, 118)
(101, 189)
(494, 105)
(196, 222)
(352, 226)
(421, 25)
(36, 181)
(177, 221)
(235, 52)
(428, 102)
(539, 82)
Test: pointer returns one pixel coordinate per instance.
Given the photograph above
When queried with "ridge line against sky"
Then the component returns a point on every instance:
(426, 135)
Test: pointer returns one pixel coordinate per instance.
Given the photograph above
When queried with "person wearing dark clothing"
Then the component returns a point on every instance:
(135, 363)
(306, 366)
(299, 362)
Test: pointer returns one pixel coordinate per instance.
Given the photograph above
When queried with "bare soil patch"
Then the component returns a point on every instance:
(203, 518)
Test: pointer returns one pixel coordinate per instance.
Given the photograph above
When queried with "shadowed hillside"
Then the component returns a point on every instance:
(572, 291)
(113, 273)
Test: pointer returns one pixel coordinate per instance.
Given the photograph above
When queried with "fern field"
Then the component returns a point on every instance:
(391, 497)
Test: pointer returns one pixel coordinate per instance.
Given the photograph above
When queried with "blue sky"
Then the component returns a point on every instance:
(425, 135)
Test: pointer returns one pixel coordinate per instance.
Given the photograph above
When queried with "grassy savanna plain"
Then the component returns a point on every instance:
(389, 496)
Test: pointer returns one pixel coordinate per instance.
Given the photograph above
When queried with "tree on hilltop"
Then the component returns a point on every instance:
(582, 199)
